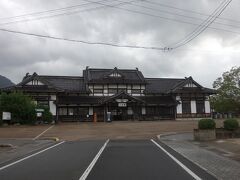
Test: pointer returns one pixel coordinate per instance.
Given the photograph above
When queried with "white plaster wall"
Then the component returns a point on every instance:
(121, 86)
(193, 107)
(207, 107)
(143, 110)
(98, 86)
(136, 94)
(136, 86)
(179, 108)
(52, 107)
(90, 111)
(96, 94)
(112, 86)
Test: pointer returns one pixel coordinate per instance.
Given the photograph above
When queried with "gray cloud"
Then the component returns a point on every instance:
(205, 58)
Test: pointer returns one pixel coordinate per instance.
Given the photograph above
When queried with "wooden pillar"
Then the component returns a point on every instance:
(94, 117)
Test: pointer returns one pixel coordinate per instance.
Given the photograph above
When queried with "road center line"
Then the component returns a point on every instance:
(177, 161)
(89, 168)
(20, 160)
(43, 132)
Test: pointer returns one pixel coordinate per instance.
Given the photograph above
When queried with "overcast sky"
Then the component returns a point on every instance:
(205, 58)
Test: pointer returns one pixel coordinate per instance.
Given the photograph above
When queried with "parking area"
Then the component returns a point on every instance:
(100, 130)
(21, 131)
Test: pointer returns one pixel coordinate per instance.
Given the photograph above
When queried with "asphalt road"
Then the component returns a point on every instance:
(120, 160)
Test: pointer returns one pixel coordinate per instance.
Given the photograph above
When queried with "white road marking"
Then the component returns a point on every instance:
(87, 171)
(178, 162)
(43, 132)
(20, 160)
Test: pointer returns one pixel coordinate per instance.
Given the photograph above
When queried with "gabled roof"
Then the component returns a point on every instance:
(103, 76)
(121, 95)
(183, 83)
(181, 87)
(169, 85)
(59, 83)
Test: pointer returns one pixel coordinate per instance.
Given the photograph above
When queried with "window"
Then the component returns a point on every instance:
(129, 111)
(83, 110)
(200, 107)
(136, 91)
(186, 107)
(190, 85)
(98, 91)
(62, 111)
(115, 74)
(151, 110)
(112, 91)
(70, 111)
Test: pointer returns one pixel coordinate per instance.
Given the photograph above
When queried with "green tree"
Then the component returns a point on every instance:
(21, 107)
(227, 98)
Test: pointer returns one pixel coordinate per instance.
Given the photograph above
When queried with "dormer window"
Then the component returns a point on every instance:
(115, 74)
(34, 82)
(190, 85)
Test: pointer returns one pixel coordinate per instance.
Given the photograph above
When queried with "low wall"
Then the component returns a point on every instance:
(204, 134)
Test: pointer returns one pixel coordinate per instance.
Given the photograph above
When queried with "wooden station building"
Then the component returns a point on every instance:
(124, 93)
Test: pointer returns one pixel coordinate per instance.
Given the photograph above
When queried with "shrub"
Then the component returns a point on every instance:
(231, 124)
(46, 115)
(206, 124)
(21, 107)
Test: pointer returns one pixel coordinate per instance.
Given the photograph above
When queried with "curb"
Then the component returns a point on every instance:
(174, 133)
(6, 146)
(171, 133)
(51, 138)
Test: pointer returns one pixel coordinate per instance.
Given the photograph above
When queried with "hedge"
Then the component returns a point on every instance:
(206, 124)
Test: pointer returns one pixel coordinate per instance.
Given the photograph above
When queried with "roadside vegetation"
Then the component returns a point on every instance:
(206, 124)
(231, 124)
(227, 99)
(22, 109)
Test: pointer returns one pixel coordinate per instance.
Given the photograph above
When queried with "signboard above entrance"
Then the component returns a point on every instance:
(122, 104)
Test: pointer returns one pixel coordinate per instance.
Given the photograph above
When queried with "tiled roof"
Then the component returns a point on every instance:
(78, 100)
(78, 84)
(102, 76)
(67, 83)
(60, 83)
(161, 85)
(159, 100)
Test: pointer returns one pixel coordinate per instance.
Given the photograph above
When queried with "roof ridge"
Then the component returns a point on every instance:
(60, 76)
(166, 78)
(104, 69)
